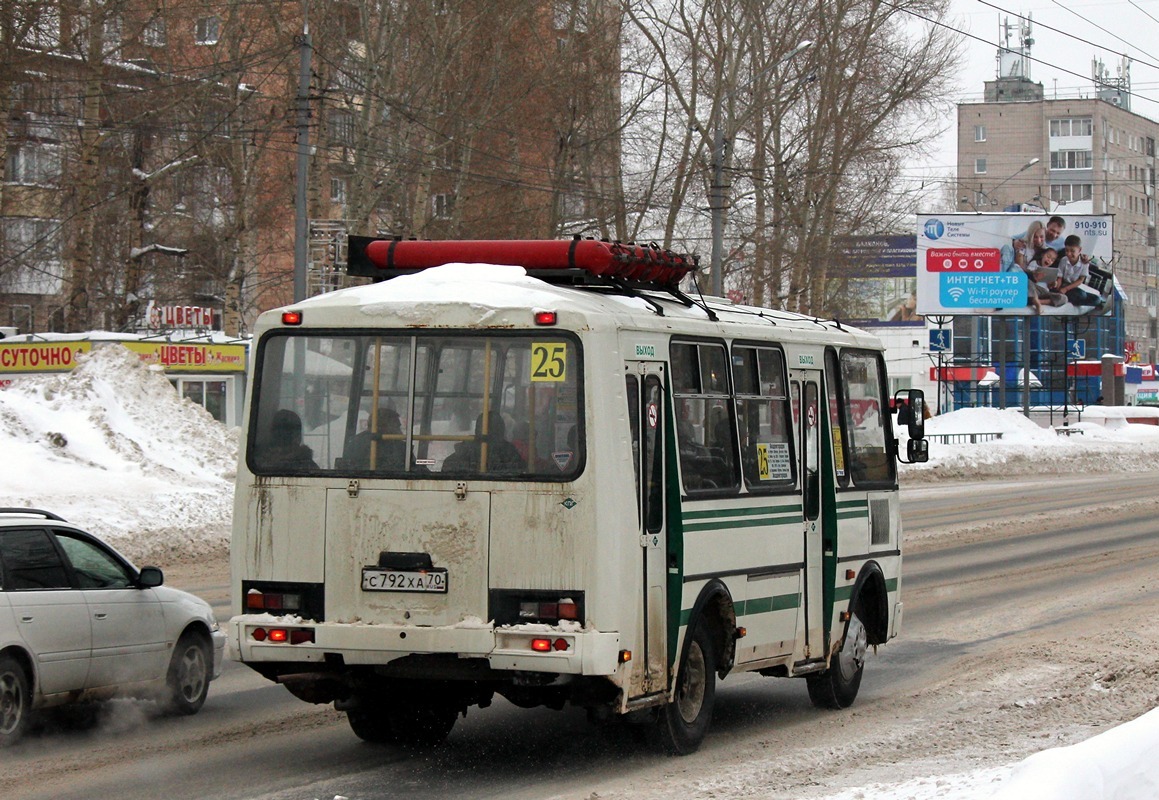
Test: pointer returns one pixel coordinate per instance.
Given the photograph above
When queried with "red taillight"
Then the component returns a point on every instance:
(272, 601)
(548, 611)
(560, 644)
(544, 317)
(541, 645)
(283, 635)
(291, 317)
(302, 636)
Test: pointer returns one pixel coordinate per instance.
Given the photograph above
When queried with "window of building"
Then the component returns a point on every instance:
(338, 190)
(20, 318)
(443, 206)
(42, 21)
(154, 33)
(1082, 126)
(33, 245)
(979, 133)
(342, 128)
(570, 15)
(1070, 159)
(979, 166)
(113, 29)
(207, 30)
(1070, 192)
(34, 164)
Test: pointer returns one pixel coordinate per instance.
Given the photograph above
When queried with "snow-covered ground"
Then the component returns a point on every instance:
(112, 447)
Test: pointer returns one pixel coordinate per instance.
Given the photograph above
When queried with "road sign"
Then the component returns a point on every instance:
(941, 340)
(1076, 348)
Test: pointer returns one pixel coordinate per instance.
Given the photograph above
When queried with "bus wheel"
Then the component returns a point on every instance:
(837, 686)
(421, 725)
(370, 723)
(682, 724)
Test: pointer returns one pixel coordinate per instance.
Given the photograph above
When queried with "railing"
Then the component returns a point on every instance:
(963, 438)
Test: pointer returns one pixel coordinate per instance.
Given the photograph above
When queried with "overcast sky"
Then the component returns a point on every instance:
(1062, 62)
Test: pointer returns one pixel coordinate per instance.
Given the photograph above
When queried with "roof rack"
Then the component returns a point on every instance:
(32, 512)
(576, 261)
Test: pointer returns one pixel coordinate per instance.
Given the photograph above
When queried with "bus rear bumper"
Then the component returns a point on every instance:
(541, 649)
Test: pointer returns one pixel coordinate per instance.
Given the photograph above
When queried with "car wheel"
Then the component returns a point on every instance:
(187, 681)
(837, 686)
(15, 701)
(683, 723)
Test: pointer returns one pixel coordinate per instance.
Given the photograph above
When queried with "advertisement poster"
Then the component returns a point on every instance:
(874, 280)
(1014, 264)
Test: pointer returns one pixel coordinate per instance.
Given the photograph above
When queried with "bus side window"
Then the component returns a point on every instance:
(704, 424)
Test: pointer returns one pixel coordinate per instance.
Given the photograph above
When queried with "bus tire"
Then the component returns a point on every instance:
(837, 686)
(421, 725)
(370, 723)
(682, 724)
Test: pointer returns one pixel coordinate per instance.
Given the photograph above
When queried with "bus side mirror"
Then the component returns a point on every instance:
(910, 405)
(917, 451)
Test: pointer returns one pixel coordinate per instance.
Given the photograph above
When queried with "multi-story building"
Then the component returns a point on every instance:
(460, 119)
(1020, 149)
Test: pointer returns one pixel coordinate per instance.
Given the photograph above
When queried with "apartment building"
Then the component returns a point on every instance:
(458, 119)
(1022, 150)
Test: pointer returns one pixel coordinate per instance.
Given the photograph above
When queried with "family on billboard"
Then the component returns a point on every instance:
(1014, 263)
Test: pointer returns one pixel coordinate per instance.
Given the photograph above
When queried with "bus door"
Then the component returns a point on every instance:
(806, 395)
(646, 414)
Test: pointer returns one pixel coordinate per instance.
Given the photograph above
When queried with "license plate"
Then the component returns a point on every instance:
(376, 579)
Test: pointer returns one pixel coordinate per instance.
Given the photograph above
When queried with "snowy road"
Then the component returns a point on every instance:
(1027, 624)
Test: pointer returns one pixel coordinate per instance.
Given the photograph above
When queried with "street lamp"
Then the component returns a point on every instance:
(717, 200)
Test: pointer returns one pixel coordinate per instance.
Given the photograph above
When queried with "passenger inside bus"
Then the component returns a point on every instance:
(501, 454)
(285, 448)
(390, 444)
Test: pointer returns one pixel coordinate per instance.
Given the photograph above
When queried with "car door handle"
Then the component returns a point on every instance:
(27, 618)
(100, 615)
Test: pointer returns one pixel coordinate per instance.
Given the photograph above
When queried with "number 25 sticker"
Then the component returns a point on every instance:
(548, 361)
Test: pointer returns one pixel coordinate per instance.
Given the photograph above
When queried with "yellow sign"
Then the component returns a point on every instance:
(548, 361)
(16, 357)
(187, 357)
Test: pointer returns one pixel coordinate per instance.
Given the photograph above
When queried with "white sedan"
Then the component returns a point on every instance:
(78, 622)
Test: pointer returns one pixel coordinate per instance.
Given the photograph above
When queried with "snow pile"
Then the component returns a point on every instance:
(1118, 764)
(1027, 448)
(113, 448)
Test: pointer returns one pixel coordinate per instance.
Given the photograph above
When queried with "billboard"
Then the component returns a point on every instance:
(872, 280)
(1014, 264)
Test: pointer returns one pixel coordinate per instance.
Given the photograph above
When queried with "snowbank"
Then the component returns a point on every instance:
(112, 447)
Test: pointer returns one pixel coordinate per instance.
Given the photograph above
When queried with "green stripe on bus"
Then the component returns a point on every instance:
(862, 503)
(741, 523)
(717, 513)
(757, 605)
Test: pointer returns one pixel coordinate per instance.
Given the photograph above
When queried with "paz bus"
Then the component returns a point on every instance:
(540, 469)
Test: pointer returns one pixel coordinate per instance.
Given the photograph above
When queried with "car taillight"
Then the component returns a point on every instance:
(256, 601)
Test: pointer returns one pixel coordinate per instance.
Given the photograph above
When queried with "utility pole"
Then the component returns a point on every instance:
(301, 219)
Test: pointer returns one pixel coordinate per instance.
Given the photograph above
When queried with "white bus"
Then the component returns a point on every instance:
(564, 481)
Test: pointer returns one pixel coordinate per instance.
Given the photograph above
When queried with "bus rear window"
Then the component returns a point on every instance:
(418, 406)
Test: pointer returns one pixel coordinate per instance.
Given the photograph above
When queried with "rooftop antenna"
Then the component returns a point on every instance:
(1014, 52)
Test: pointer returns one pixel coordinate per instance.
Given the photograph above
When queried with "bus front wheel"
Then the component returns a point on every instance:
(837, 686)
(683, 723)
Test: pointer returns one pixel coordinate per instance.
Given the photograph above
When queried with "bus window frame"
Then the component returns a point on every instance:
(415, 336)
(773, 487)
(884, 414)
(730, 490)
